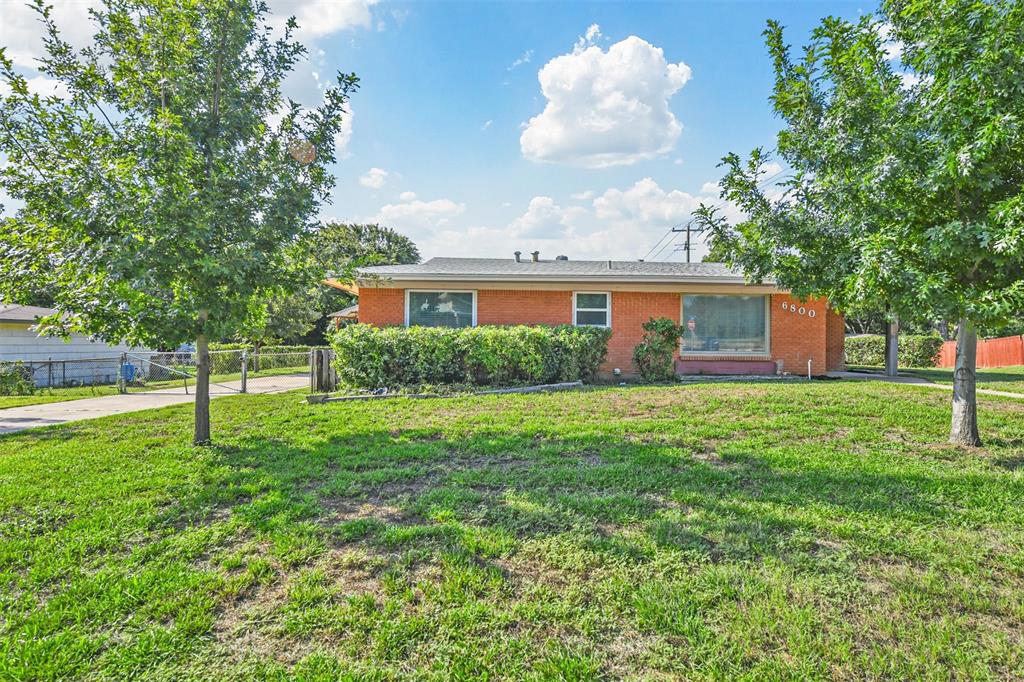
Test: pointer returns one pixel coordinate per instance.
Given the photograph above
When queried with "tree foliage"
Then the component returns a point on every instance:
(338, 249)
(162, 195)
(907, 170)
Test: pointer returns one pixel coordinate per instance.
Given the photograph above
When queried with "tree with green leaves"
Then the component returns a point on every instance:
(160, 197)
(284, 316)
(905, 135)
(339, 248)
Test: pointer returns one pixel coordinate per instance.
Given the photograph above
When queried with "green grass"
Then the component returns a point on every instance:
(717, 531)
(1002, 379)
(54, 395)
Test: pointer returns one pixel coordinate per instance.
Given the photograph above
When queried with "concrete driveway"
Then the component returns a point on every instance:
(32, 416)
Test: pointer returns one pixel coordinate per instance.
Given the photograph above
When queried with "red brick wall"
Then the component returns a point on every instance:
(522, 306)
(797, 337)
(835, 341)
(381, 307)
(630, 309)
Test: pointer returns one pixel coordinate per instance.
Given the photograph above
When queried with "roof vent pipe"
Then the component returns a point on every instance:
(536, 256)
(518, 254)
(561, 258)
(609, 265)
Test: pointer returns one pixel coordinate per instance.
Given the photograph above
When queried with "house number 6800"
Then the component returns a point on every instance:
(801, 310)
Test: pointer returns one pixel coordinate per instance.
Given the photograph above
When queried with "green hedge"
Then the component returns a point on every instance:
(231, 363)
(914, 350)
(372, 357)
(16, 379)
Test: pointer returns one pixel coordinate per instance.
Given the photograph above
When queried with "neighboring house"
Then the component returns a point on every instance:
(55, 361)
(349, 314)
(730, 327)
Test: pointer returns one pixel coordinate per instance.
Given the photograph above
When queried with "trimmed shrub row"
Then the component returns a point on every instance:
(915, 350)
(372, 357)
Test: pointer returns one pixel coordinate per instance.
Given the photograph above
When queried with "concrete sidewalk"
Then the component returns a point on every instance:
(918, 381)
(32, 416)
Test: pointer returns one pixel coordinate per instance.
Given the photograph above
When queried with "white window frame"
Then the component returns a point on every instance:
(748, 353)
(607, 309)
(439, 291)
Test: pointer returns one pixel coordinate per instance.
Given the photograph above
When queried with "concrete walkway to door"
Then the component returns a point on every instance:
(32, 416)
(918, 381)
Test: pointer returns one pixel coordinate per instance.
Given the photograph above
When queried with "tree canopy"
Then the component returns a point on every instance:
(905, 135)
(163, 194)
(339, 247)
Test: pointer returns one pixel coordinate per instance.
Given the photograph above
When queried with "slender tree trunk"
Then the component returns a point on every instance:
(964, 430)
(202, 431)
(892, 336)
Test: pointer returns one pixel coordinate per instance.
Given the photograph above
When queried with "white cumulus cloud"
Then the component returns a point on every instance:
(40, 85)
(645, 202)
(22, 34)
(605, 108)
(544, 219)
(417, 217)
(320, 18)
(374, 178)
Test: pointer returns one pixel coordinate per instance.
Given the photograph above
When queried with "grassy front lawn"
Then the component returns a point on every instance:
(725, 531)
(53, 395)
(1001, 379)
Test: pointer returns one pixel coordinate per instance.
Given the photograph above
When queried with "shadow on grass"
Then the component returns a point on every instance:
(399, 491)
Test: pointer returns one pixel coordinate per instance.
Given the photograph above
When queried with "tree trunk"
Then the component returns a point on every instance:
(202, 431)
(964, 430)
(892, 335)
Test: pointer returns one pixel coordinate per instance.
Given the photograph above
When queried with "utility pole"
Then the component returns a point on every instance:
(690, 233)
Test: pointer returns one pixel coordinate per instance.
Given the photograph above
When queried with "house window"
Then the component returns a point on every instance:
(592, 309)
(440, 308)
(725, 324)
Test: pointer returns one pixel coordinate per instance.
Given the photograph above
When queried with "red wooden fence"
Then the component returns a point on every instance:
(1003, 352)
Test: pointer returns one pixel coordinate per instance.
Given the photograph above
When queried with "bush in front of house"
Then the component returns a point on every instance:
(392, 357)
(654, 355)
(16, 379)
(914, 350)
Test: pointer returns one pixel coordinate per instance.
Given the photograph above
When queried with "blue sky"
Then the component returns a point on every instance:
(454, 142)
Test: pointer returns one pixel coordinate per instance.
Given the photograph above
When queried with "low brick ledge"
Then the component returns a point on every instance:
(689, 367)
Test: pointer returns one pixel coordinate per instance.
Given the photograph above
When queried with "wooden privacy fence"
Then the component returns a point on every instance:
(1009, 350)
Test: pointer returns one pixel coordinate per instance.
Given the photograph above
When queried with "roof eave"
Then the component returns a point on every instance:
(625, 279)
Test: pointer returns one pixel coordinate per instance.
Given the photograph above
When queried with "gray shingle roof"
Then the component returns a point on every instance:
(12, 312)
(500, 268)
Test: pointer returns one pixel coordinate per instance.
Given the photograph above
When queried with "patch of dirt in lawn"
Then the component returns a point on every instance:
(384, 504)
(249, 625)
(244, 626)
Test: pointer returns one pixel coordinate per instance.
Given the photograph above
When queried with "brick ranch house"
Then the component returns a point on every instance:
(730, 326)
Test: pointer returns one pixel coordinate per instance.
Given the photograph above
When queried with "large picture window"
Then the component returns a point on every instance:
(725, 324)
(440, 308)
(591, 309)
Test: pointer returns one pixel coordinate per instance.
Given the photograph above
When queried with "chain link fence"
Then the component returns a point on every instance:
(231, 371)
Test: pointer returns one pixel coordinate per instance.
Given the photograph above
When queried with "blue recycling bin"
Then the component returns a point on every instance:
(127, 372)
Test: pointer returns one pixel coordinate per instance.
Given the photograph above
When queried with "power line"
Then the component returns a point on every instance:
(688, 246)
(656, 244)
(671, 230)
